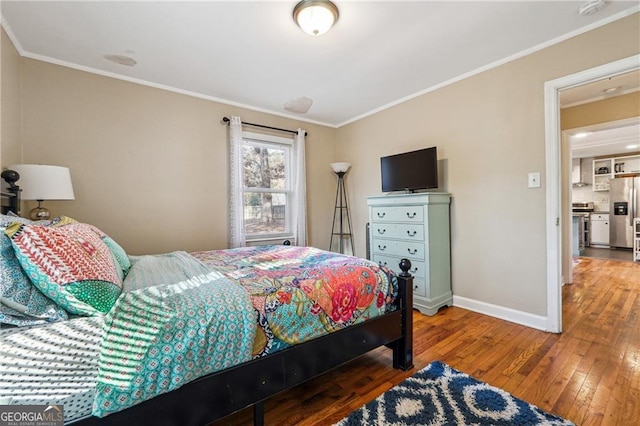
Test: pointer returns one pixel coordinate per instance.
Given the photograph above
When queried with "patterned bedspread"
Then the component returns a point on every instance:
(183, 316)
(301, 293)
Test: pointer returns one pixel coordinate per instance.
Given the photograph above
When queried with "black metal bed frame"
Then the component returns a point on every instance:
(219, 394)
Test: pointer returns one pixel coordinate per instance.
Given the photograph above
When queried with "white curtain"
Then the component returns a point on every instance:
(236, 213)
(299, 190)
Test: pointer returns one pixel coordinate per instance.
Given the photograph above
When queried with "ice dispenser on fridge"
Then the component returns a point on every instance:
(620, 208)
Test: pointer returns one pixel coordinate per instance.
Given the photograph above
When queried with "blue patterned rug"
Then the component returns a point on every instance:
(440, 395)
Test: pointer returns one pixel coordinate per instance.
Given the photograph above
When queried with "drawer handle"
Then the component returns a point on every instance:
(382, 247)
(381, 231)
(415, 287)
(411, 215)
(381, 214)
(382, 263)
(414, 270)
(412, 234)
(412, 252)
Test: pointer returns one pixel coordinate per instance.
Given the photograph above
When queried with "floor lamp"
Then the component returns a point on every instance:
(341, 236)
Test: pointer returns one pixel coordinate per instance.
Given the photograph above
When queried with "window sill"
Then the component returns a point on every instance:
(276, 240)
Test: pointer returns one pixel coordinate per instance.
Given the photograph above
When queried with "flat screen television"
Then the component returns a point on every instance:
(410, 171)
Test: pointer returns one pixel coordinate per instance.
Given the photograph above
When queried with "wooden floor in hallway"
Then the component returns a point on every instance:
(589, 374)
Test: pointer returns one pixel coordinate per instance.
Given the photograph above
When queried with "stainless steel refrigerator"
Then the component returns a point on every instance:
(623, 207)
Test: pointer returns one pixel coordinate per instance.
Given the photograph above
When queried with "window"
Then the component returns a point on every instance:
(267, 191)
(267, 187)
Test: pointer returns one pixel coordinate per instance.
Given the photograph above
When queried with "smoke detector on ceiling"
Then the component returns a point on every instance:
(590, 7)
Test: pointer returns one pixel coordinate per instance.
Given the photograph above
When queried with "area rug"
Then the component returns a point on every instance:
(440, 395)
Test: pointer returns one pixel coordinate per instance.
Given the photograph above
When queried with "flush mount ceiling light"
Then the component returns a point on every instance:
(315, 17)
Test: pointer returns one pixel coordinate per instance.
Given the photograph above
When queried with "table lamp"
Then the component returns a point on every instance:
(41, 182)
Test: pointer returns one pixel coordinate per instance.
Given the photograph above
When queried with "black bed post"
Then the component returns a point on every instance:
(403, 348)
(11, 177)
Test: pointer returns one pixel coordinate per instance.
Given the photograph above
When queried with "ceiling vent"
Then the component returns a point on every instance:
(122, 60)
(590, 7)
(299, 105)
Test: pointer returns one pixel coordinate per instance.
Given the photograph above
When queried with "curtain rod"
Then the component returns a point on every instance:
(227, 120)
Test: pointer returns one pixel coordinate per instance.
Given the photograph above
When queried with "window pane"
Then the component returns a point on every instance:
(264, 167)
(264, 213)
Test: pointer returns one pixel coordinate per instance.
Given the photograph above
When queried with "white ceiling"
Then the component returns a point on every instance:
(251, 54)
(612, 138)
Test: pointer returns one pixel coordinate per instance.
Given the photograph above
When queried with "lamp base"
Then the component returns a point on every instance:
(39, 213)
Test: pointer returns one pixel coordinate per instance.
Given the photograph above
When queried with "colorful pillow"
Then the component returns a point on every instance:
(118, 254)
(8, 219)
(69, 263)
(21, 303)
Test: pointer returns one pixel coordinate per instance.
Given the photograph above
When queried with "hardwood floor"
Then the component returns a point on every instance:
(589, 374)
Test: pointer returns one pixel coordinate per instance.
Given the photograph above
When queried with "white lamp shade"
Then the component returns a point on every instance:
(42, 182)
(315, 17)
(340, 167)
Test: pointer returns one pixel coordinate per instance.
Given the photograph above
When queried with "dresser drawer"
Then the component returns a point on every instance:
(419, 286)
(407, 249)
(403, 231)
(397, 214)
(418, 268)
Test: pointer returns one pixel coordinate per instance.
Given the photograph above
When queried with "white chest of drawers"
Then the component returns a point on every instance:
(416, 227)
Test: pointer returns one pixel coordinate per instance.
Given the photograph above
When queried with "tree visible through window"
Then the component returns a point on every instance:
(267, 189)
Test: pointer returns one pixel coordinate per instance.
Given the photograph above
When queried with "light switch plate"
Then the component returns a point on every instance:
(534, 180)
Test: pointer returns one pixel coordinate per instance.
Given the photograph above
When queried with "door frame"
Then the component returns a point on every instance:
(556, 218)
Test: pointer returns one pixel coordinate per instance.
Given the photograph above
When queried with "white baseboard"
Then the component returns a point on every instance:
(524, 318)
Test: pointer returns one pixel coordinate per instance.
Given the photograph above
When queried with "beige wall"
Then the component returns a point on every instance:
(149, 167)
(10, 101)
(604, 111)
(490, 132)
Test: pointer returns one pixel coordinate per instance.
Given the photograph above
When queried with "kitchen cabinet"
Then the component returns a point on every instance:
(602, 172)
(416, 227)
(599, 229)
(605, 169)
(625, 165)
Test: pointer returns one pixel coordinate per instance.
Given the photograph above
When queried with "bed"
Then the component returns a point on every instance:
(303, 316)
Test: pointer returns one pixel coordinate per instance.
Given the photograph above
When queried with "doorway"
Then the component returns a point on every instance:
(600, 152)
(558, 215)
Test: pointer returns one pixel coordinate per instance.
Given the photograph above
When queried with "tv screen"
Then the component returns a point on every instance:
(410, 171)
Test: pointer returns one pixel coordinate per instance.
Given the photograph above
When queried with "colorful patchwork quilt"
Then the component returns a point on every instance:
(300, 293)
